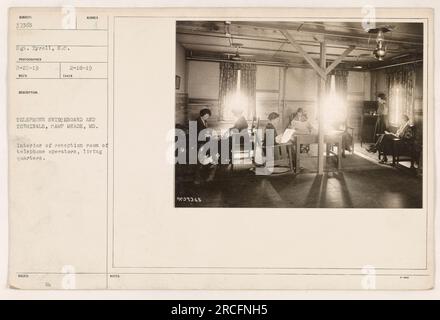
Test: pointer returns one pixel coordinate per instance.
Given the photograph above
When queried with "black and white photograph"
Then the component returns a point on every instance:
(299, 114)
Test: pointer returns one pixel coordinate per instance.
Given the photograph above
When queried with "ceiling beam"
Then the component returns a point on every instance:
(275, 26)
(262, 63)
(303, 39)
(304, 54)
(306, 26)
(339, 59)
(188, 46)
(396, 64)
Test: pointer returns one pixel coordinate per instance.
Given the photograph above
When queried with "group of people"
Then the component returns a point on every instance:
(206, 169)
(384, 137)
(298, 121)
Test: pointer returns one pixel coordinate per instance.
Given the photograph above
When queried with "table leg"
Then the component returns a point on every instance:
(297, 152)
(290, 154)
(340, 154)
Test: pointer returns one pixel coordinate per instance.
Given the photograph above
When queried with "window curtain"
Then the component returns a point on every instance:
(248, 84)
(227, 85)
(400, 83)
(341, 86)
(230, 96)
(341, 83)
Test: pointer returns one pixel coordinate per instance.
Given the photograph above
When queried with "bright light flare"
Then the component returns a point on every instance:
(334, 108)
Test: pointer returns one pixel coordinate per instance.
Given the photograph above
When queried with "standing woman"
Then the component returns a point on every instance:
(382, 113)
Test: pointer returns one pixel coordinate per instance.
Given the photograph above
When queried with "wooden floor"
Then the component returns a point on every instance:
(361, 184)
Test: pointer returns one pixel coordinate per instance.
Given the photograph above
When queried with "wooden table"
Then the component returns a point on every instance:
(330, 138)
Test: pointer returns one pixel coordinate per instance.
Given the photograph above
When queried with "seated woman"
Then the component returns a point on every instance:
(240, 121)
(385, 140)
(237, 134)
(300, 122)
(267, 137)
(273, 119)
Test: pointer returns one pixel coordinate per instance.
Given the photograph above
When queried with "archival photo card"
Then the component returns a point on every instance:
(221, 149)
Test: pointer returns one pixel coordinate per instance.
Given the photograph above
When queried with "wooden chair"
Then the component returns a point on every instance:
(349, 130)
(255, 124)
(405, 149)
(240, 150)
(402, 150)
(283, 155)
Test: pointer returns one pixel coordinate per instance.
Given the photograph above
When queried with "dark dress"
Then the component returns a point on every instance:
(240, 124)
(201, 125)
(269, 126)
(385, 141)
(381, 122)
(203, 172)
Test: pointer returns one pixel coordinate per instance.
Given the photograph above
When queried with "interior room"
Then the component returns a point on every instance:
(345, 101)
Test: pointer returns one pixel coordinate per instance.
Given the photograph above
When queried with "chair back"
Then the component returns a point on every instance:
(414, 130)
(242, 139)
